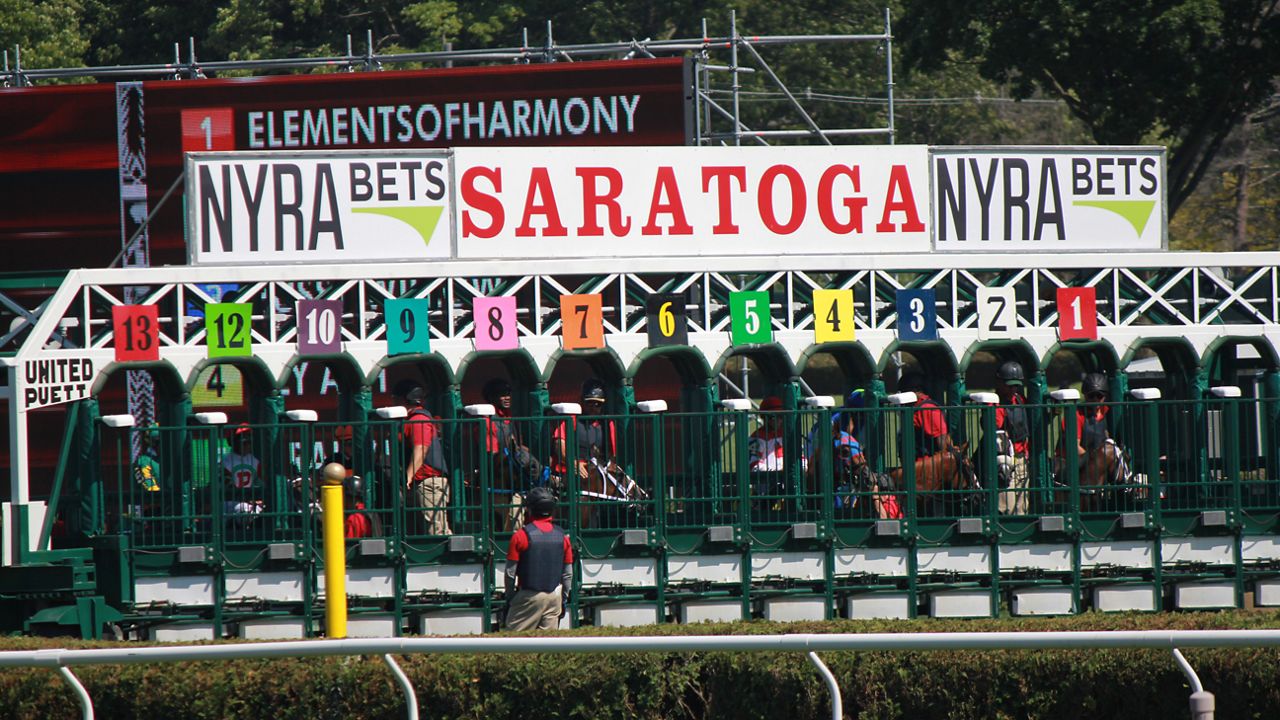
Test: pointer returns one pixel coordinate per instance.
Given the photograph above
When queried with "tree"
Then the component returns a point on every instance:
(48, 32)
(1178, 72)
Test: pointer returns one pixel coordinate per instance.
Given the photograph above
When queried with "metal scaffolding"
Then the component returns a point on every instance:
(718, 105)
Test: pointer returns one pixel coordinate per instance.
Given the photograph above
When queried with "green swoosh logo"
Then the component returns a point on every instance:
(421, 219)
(1136, 212)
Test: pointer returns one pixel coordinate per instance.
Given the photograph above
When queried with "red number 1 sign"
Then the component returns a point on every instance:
(1077, 313)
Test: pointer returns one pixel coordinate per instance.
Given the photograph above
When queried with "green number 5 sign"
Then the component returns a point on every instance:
(749, 317)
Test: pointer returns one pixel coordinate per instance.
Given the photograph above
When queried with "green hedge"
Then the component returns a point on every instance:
(1002, 684)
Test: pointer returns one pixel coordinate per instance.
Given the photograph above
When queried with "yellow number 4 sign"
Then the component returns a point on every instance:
(833, 316)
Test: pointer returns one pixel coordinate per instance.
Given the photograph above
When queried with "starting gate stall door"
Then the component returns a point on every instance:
(145, 476)
(702, 570)
(599, 463)
(780, 516)
(868, 563)
(512, 450)
(1036, 560)
(952, 570)
(330, 389)
(1252, 420)
(436, 521)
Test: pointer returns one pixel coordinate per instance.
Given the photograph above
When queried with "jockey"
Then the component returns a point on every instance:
(930, 424)
(596, 439)
(764, 447)
(1015, 438)
(1091, 417)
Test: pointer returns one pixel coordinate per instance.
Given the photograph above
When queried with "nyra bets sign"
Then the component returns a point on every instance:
(1049, 199)
(674, 202)
(331, 207)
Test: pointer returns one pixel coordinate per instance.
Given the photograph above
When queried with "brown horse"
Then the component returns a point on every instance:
(937, 476)
(607, 494)
(1104, 471)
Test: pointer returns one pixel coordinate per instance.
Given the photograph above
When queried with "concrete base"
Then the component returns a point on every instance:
(1204, 596)
(625, 614)
(791, 609)
(872, 606)
(1139, 597)
(273, 628)
(1266, 593)
(451, 622)
(710, 611)
(1042, 601)
(181, 632)
(960, 604)
(373, 625)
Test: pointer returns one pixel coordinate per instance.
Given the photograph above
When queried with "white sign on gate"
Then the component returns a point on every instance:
(683, 201)
(1049, 199)
(331, 207)
(54, 380)
(997, 313)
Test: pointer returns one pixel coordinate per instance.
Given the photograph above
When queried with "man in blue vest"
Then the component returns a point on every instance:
(539, 570)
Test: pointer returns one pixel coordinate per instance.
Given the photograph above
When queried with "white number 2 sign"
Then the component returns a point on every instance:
(997, 313)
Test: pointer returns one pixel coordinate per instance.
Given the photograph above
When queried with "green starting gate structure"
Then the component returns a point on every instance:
(1193, 525)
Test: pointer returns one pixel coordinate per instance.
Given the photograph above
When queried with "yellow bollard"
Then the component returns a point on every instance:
(335, 551)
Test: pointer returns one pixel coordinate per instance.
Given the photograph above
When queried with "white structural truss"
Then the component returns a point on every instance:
(1199, 298)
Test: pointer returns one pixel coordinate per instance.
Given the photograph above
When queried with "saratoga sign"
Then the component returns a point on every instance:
(646, 202)
(1049, 199)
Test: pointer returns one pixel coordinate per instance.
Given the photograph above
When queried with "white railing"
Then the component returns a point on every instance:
(1172, 640)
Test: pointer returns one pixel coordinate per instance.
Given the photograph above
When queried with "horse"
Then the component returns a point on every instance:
(608, 494)
(1105, 470)
(948, 471)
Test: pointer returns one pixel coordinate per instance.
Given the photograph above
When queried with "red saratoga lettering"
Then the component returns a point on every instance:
(826, 204)
(899, 198)
(540, 188)
(593, 199)
(722, 175)
(765, 196)
(482, 202)
(664, 186)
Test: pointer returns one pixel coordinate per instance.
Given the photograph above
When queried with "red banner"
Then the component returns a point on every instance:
(59, 164)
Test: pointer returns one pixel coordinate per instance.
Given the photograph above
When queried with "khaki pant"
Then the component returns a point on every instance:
(531, 610)
(1015, 500)
(510, 518)
(432, 496)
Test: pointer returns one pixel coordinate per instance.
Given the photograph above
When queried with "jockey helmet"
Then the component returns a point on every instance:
(773, 402)
(1010, 373)
(911, 382)
(411, 391)
(593, 391)
(1094, 383)
(354, 486)
(855, 399)
(496, 388)
(541, 502)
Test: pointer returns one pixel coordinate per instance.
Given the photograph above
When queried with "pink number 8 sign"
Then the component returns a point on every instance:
(495, 323)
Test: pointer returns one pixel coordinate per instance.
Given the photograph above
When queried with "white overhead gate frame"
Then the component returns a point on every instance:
(1196, 297)
(1202, 702)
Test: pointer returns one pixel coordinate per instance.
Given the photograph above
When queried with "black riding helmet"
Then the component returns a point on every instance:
(1010, 373)
(496, 388)
(1094, 383)
(541, 502)
(911, 382)
(593, 389)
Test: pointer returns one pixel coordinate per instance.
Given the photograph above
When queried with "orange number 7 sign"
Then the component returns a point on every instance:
(582, 322)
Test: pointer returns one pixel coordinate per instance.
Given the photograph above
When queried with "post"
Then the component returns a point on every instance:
(335, 552)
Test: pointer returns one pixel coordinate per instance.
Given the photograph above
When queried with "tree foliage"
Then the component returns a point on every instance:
(1179, 72)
